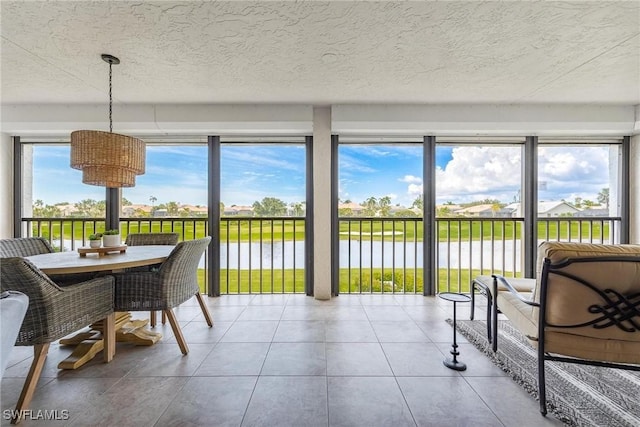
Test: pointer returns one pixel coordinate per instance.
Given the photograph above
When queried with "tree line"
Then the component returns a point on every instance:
(272, 206)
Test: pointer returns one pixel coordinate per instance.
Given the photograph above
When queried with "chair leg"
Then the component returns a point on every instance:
(205, 309)
(39, 356)
(152, 318)
(473, 300)
(494, 316)
(542, 393)
(164, 318)
(175, 326)
(109, 337)
(489, 311)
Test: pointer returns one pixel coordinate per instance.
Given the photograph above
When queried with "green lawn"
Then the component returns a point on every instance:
(371, 281)
(278, 230)
(265, 281)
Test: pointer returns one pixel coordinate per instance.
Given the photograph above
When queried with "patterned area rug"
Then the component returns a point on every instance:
(578, 395)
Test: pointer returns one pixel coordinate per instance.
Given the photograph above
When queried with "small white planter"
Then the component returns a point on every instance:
(111, 240)
(95, 243)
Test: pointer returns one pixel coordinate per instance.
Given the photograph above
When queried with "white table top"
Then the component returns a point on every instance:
(72, 262)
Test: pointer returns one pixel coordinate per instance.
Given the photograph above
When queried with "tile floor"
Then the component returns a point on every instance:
(286, 360)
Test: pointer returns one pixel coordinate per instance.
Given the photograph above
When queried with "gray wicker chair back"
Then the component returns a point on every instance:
(24, 246)
(174, 283)
(54, 312)
(144, 239)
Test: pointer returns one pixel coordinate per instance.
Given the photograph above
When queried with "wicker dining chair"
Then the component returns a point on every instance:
(28, 246)
(146, 239)
(24, 246)
(53, 313)
(174, 283)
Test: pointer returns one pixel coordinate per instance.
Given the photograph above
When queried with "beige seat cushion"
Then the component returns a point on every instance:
(522, 316)
(592, 348)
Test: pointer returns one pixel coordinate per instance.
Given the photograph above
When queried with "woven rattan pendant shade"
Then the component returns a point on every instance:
(107, 159)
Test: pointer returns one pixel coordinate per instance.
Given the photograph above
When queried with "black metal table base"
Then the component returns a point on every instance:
(454, 363)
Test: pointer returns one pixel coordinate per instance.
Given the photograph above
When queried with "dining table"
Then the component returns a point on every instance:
(81, 262)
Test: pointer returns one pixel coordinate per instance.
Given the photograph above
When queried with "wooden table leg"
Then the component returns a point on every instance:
(109, 337)
(90, 343)
(133, 331)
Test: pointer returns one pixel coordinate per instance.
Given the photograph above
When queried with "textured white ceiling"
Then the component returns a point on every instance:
(322, 53)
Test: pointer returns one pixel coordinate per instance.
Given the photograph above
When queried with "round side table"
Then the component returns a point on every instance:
(455, 298)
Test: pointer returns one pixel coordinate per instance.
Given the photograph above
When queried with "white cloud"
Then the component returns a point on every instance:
(410, 179)
(475, 173)
(260, 158)
(494, 172)
(188, 151)
(414, 190)
(349, 164)
(374, 151)
(567, 173)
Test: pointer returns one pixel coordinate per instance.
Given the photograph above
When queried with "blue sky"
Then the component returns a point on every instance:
(379, 171)
(253, 171)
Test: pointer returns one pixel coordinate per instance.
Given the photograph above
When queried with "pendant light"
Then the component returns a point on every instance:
(105, 158)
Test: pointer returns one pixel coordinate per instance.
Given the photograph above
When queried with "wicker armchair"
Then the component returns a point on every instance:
(174, 283)
(55, 312)
(24, 246)
(146, 239)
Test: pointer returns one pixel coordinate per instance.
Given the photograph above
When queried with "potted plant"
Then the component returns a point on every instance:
(111, 238)
(95, 240)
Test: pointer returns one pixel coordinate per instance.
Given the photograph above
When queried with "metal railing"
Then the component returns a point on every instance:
(376, 255)
(257, 255)
(385, 255)
(69, 233)
(604, 230)
(64, 234)
(262, 255)
(468, 247)
(380, 255)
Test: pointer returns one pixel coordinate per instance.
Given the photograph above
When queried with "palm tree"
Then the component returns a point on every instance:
(385, 206)
(418, 203)
(153, 200)
(297, 209)
(371, 205)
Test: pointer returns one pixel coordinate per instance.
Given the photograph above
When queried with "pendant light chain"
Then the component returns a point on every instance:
(110, 101)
